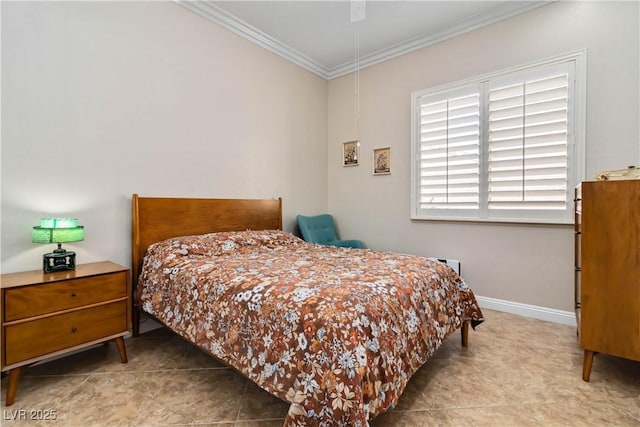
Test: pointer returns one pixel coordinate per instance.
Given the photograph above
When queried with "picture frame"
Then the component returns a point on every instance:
(350, 153)
(382, 161)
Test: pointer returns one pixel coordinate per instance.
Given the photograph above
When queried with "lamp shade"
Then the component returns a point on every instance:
(57, 230)
(58, 222)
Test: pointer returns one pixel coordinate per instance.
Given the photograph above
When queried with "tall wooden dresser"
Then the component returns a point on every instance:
(608, 269)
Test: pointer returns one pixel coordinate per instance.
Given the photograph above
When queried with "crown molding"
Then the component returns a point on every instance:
(420, 42)
(221, 17)
(224, 19)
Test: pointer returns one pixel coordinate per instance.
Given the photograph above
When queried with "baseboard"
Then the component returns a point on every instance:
(527, 310)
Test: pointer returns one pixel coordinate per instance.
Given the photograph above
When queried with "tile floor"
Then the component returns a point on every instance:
(515, 372)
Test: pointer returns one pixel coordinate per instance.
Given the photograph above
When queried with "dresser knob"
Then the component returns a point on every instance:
(74, 329)
(73, 295)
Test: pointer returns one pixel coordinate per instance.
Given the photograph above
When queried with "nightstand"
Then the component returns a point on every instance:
(46, 315)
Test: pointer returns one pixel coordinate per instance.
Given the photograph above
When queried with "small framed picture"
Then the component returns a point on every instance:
(350, 153)
(382, 161)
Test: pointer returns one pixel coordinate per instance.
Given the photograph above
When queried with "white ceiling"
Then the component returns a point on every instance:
(320, 36)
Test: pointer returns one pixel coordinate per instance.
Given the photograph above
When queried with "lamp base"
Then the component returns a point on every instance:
(59, 260)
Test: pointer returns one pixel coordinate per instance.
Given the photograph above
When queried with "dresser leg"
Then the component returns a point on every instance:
(121, 349)
(12, 387)
(586, 365)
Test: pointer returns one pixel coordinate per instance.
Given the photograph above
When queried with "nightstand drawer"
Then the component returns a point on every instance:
(28, 301)
(35, 338)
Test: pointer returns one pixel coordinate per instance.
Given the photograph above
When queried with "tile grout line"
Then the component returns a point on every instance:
(453, 408)
(244, 396)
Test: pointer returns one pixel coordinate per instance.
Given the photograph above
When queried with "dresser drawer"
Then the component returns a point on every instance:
(35, 338)
(28, 301)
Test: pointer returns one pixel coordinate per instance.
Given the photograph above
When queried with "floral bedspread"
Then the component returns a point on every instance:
(336, 332)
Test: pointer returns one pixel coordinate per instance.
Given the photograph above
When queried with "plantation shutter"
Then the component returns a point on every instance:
(503, 147)
(528, 122)
(449, 150)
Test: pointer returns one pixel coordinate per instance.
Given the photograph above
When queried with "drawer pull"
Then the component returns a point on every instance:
(74, 329)
(73, 295)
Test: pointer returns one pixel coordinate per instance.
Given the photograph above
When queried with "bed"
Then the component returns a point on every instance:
(336, 332)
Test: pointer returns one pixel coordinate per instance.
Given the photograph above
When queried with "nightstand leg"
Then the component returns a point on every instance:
(121, 349)
(12, 387)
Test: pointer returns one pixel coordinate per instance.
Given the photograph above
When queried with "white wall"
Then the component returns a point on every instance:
(531, 264)
(104, 99)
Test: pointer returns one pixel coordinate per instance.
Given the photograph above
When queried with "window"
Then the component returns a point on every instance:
(504, 147)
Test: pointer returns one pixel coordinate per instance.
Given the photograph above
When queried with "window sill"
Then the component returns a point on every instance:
(515, 221)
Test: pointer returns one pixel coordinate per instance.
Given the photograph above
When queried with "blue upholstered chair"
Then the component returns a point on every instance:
(321, 229)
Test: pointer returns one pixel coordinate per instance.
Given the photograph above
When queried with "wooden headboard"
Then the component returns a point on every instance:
(159, 218)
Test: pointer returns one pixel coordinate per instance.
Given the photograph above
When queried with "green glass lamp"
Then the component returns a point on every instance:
(58, 230)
